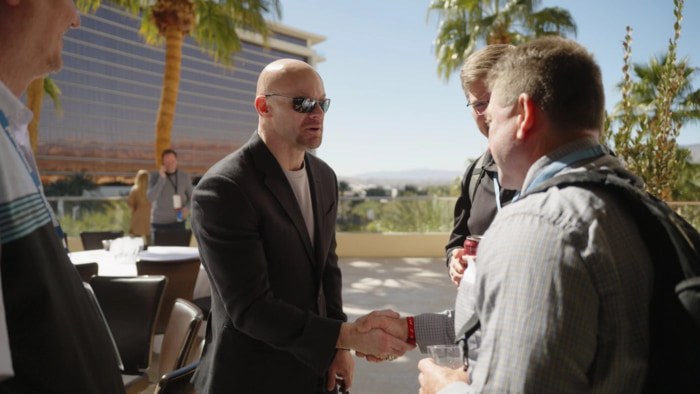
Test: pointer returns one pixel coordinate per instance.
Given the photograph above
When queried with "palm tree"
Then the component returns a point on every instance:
(646, 139)
(643, 92)
(213, 25)
(466, 23)
(35, 96)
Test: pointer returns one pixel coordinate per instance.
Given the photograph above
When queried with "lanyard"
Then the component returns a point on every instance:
(33, 174)
(552, 168)
(497, 191)
(6, 126)
(171, 180)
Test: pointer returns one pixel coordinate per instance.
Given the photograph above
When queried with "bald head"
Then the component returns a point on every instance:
(287, 126)
(281, 73)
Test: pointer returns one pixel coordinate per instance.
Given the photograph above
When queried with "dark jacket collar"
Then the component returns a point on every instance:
(279, 186)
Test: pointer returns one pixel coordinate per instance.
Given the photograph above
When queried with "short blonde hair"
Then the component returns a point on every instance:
(559, 75)
(478, 64)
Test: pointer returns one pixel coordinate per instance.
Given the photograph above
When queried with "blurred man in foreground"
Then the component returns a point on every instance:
(51, 339)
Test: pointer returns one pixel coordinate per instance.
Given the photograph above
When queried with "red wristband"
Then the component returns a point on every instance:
(411, 330)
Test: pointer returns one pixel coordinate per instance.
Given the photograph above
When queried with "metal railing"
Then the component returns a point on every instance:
(418, 214)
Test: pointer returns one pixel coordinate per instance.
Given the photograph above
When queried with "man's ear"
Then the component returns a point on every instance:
(261, 106)
(526, 116)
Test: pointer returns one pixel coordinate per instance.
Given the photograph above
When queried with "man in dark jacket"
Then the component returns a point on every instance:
(264, 219)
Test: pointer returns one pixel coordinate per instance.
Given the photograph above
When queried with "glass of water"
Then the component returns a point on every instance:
(446, 355)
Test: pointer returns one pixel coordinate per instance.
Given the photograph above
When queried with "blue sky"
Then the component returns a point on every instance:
(390, 111)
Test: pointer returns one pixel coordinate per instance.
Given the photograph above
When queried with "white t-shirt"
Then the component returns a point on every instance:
(299, 180)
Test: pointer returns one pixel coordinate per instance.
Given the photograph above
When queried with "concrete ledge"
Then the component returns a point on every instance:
(391, 244)
(368, 244)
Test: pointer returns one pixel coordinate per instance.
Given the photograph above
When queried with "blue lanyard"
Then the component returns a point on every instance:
(551, 169)
(497, 192)
(35, 177)
(6, 126)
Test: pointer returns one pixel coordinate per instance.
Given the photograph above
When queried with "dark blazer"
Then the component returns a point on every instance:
(276, 299)
(474, 217)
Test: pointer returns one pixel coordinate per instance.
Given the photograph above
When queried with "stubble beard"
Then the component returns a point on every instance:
(310, 142)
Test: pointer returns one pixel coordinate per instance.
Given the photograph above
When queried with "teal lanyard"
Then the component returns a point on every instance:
(497, 192)
(552, 168)
(35, 177)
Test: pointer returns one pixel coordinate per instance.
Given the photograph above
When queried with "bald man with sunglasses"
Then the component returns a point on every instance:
(264, 219)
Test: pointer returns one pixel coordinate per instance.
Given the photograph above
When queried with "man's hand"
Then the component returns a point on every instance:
(374, 342)
(434, 378)
(184, 212)
(458, 263)
(162, 172)
(386, 320)
(341, 371)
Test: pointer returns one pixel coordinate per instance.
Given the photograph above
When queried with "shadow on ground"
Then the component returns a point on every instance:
(407, 285)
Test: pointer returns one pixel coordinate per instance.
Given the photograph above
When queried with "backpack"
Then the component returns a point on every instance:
(674, 244)
(475, 177)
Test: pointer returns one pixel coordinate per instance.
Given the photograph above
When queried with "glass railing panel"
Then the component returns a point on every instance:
(78, 214)
(420, 214)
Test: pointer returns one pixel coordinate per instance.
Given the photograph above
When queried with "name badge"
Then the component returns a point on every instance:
(177, 201)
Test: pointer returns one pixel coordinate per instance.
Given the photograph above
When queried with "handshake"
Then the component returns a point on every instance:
(377, 336)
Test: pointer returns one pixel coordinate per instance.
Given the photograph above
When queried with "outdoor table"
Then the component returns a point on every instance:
(111, 264)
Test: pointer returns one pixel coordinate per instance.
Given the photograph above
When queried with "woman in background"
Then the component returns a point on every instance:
(140, 207)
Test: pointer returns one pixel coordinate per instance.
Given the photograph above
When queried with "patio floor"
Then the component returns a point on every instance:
(407, 285)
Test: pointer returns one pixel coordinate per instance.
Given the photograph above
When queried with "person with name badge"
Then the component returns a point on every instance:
(170, 192)
(480, 199)
(177, 206)
(481, 195)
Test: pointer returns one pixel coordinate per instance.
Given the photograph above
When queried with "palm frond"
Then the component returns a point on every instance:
(644, 91)
(465, 24)
(217, 21)
(552, 21)
(52, 90)
(216, 32)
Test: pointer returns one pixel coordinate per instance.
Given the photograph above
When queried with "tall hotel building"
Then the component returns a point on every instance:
(111, 83)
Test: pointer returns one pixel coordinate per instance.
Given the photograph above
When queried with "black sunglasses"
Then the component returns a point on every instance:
(305, 105)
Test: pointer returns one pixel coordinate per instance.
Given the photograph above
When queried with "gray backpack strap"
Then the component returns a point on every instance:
(476, 176)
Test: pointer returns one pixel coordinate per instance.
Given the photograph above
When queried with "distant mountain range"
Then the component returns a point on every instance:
(425, 177)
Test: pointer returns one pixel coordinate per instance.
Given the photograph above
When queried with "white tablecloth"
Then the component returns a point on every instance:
(112, 265)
